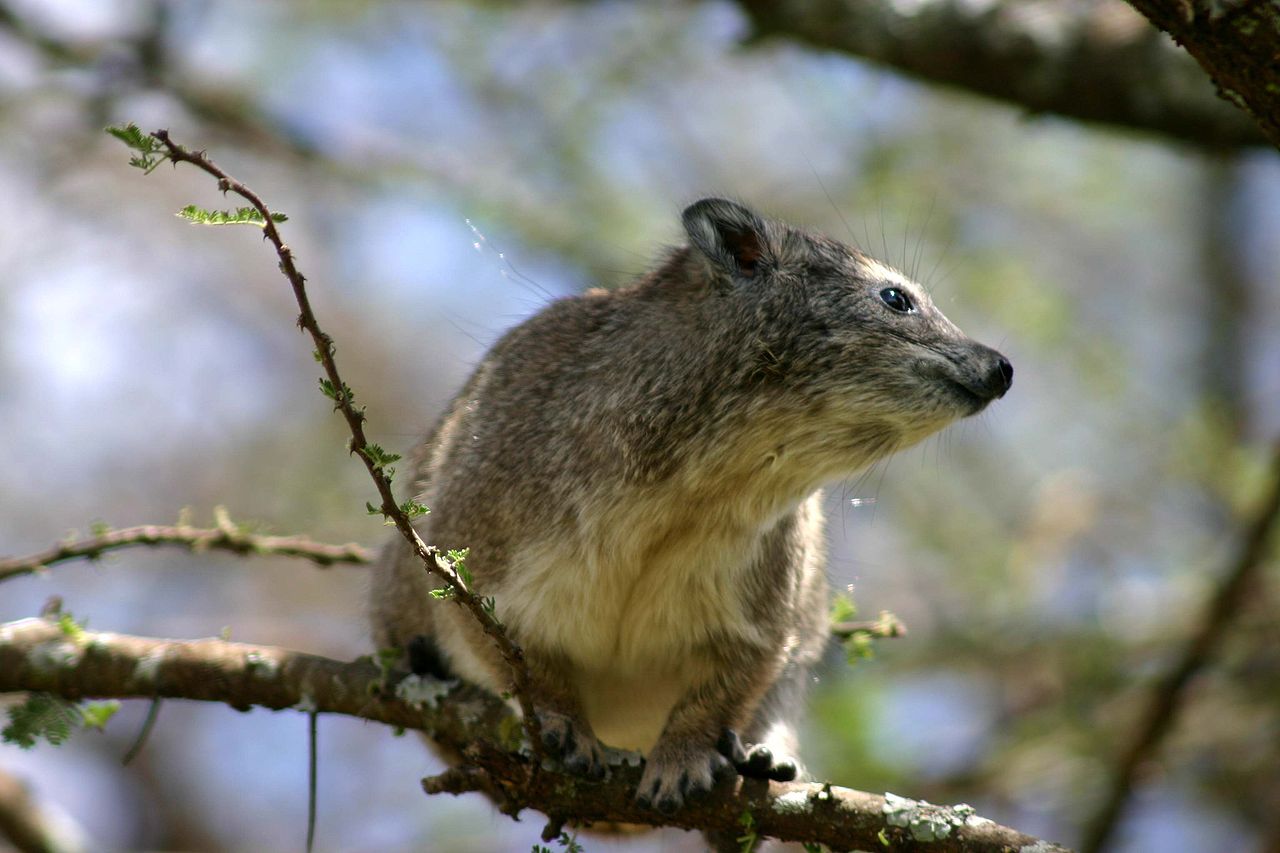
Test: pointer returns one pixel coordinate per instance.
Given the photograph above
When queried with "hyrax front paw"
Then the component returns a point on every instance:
(573, 742)
(677, 772)
(756, 762)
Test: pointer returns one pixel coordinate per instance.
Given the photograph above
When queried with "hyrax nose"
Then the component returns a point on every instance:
(999, 376)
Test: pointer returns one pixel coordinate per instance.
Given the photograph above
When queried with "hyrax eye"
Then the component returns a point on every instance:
(897, 300)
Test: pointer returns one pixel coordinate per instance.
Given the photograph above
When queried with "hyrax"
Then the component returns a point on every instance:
(636, 475)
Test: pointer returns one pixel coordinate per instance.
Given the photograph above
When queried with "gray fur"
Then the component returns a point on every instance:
(636, 476)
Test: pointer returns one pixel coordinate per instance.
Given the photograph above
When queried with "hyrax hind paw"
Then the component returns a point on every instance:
(757, 762)
(678, 772)
(573, 742)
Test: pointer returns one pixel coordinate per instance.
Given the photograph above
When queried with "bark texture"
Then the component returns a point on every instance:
(38, 655)
(1237, 42)
(1092, 60)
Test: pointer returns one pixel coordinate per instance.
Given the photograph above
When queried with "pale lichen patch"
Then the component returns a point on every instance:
(420, 691)
(924, 820)
(57, 654)
(307, 704)
(146, 669)
(792, 802)
(261, 665)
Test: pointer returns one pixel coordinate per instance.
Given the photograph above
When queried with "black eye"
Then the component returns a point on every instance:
(897, 300)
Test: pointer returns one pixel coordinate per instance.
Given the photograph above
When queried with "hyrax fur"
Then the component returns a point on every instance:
(636, 475)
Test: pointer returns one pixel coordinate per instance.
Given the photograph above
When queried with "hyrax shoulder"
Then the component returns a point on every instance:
(636, 475)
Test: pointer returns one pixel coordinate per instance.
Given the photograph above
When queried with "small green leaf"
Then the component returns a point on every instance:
(239, 216)
(375, 454)
(42, 716)
(442, 594)
(459, 566)
(95, 715)
(842, 608)
(373, 510)
(412, 509)
(70, 628)
(150, 153)
(858, 646)
(749, 836)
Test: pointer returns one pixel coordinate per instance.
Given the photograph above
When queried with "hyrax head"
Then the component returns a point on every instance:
(859, 343)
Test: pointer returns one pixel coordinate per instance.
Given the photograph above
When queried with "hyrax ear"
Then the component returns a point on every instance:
(732, 237)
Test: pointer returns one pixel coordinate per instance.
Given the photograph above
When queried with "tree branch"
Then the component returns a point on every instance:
(1237, 42)
(225, 537)
(1166, 699)
(1091, 61)
(36, 655)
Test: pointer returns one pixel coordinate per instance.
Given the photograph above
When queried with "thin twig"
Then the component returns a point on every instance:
(196, 539)
(435, 562)
(886, 627)
(312, 776)
(144, 733)
(1166, 699)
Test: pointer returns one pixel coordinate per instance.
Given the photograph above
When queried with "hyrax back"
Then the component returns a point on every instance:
(636, 476)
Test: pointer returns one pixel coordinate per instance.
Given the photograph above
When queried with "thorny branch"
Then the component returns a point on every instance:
(37, 655)
(435, 562)
(225, 537)
(1166, 699)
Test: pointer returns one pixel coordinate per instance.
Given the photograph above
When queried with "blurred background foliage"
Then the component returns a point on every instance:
(450, 167)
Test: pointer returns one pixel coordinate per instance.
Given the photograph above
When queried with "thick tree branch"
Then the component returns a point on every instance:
(1092, 61)
(1237, 42)
(36, 655)
(225, 537)
(1167, 697)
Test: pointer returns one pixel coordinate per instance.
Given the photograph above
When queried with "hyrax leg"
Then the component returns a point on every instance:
(686, 761)
(769, 745)
(565, 731)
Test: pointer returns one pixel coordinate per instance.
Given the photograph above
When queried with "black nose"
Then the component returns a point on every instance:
(1001, 378)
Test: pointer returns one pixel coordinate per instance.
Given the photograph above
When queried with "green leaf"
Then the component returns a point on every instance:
(373, 510)
(150, 152)
(858, 646)
(459, 566)
(749, 837)
(95, 715)
(239, 216)
(70, 628)
(442, 594)
(412, 509)
(41, 717)
(842, 608)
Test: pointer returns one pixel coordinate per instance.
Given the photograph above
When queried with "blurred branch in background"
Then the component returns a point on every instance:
(225, 537)
(1238, 581)
(1235, 43)
(1098, 62)
(30, 826)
